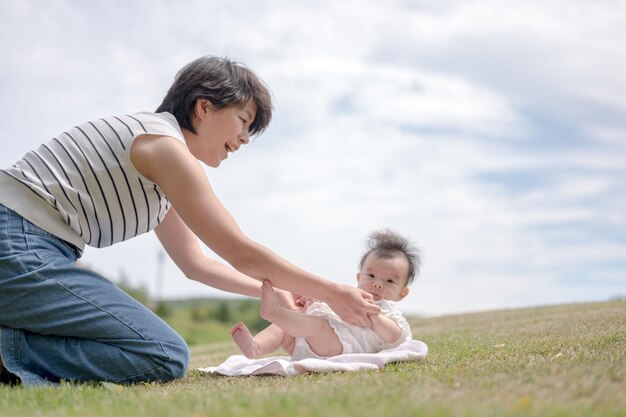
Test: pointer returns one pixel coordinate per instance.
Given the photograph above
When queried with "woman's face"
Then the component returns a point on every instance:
(220, 132)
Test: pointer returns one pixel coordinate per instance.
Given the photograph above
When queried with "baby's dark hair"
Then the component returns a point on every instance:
(386, 243)
(222, 82)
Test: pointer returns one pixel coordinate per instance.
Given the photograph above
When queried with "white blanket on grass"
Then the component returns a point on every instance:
(239, 365)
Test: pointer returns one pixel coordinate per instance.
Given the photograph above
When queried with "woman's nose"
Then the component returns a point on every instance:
(244, 138)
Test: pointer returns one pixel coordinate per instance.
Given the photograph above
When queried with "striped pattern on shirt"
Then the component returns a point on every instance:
(86, 175)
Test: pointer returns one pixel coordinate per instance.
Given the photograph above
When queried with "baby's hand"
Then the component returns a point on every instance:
(373, 317)
(304, 302)
(287, 299)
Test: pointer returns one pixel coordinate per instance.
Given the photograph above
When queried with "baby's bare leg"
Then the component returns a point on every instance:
(316, 330)
(266, 341)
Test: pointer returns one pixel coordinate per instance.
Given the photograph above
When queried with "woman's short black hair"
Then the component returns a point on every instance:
(222, 82)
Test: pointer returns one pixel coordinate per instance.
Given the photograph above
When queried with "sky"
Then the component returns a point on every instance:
(491, 133)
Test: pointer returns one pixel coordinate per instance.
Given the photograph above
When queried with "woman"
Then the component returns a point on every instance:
(107, 181)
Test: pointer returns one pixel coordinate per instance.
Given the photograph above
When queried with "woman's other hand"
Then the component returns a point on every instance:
(353, 305)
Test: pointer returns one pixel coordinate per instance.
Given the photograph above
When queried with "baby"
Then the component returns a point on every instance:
(386, 269)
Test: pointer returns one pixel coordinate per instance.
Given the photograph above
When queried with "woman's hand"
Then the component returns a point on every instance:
(353, 305)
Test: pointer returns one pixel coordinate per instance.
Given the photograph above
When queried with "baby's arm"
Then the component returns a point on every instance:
(385, 328)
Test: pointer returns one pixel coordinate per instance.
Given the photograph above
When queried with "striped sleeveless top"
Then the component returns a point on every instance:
(82, 187)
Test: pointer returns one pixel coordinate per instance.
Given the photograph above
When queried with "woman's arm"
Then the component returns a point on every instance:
(168, 163)
(182, 247)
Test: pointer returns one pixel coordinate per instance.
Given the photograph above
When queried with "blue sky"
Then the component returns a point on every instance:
(492, 133)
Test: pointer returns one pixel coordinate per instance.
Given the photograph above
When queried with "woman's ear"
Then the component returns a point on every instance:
(202, 108)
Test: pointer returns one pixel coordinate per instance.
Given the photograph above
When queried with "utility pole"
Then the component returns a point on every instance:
(159, 276)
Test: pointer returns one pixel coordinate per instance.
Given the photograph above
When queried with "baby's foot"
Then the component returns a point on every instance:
(244, 340)
(269, 301)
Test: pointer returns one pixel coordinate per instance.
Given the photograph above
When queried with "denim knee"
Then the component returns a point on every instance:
(176, 366)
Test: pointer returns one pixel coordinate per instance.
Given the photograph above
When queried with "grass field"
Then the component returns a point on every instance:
(565, 360)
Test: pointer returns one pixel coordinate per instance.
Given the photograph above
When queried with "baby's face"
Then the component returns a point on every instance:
(384, 277)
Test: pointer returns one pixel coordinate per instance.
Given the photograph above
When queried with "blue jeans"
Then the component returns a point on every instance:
(63, 322)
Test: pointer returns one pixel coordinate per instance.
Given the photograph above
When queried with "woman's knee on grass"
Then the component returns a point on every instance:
(173, 364)
(177, 365)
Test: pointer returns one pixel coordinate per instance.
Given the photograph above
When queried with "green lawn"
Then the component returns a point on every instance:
(551, 361)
